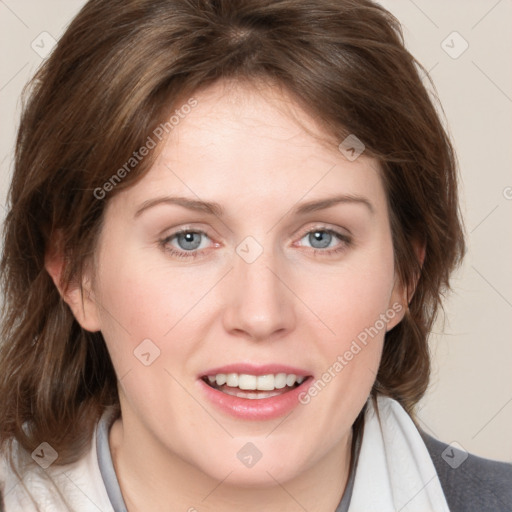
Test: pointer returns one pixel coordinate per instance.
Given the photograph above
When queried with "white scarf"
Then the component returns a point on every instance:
(395, 472)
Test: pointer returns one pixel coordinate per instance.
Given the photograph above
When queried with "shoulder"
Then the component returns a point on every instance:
(470, 483)
(37, 482)
(23, 484)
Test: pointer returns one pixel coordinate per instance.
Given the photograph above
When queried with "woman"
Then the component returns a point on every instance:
(230, 227)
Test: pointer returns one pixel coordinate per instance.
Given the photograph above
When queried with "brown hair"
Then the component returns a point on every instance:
(107, 86)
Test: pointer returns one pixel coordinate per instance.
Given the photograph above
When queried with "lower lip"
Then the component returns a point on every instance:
(257, 409)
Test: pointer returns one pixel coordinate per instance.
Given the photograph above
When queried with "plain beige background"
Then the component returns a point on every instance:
(470, 397)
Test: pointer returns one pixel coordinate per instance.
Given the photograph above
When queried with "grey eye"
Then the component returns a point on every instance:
(188, 240)
(320, 239)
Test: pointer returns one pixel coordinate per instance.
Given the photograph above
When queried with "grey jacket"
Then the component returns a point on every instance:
(471, 483)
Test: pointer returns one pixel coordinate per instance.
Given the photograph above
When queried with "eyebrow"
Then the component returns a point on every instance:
(216, 209)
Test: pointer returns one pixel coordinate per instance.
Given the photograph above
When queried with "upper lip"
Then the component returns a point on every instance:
(253, 369)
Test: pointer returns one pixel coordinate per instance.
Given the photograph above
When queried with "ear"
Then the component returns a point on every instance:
(80, 299)
(401, 296)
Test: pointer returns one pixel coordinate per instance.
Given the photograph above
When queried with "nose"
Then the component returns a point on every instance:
(260, 305)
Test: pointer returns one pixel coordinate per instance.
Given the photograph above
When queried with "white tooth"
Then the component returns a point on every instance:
(280, 381)
(247, 381)
(232, 380)
(290, 379)
(265, 382)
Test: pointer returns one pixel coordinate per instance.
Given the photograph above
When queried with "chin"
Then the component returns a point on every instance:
(252, 464)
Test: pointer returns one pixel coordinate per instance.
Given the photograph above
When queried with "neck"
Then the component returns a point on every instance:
(152, 478)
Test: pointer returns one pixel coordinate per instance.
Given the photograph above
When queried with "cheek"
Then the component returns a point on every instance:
(352, 298)
(354, 307)
(142, 312)
(143, 298)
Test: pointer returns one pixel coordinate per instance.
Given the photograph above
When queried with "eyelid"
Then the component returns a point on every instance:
(174, 230)
(338, 231)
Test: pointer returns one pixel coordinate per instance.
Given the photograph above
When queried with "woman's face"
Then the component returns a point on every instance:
(284, 266)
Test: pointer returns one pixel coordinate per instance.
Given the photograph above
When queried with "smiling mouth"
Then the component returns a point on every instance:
(254, 387)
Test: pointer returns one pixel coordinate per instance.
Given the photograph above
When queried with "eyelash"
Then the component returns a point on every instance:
(346, 242)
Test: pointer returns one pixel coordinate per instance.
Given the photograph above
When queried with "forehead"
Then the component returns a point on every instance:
(251, 111)
(254, 142)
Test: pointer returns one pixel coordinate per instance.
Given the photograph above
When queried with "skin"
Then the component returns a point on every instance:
(241, 148)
